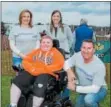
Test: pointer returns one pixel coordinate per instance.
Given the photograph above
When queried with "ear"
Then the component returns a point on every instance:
(94, 51)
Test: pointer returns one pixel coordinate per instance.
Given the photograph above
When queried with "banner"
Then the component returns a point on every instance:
(103, 50)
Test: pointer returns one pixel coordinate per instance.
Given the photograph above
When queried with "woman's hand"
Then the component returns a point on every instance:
(22, 55)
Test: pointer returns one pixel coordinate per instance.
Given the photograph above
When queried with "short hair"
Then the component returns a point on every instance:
(20, 16)
(89, 41)
(83, 21)
(46, 37)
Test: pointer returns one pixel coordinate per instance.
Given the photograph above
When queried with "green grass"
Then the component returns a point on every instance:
(6, 93)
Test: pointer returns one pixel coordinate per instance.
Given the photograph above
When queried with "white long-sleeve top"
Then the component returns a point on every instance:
(88, 89)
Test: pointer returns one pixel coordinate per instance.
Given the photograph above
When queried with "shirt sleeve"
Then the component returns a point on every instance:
(69, 36)
(12, 41)
(99, 76)
(70, 62)
(74, 40)
(13, 47)
(37, 31)
(12, 33)
(88, 89)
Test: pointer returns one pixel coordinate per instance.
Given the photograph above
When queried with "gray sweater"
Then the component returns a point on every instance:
(65, 39)
(23, 40)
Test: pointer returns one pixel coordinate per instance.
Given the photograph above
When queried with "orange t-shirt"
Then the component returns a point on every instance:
(41, 62)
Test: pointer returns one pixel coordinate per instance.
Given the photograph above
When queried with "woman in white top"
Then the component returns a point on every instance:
(57, 30)
(23, 37)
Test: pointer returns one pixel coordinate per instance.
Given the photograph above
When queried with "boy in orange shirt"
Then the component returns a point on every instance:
(39, 66)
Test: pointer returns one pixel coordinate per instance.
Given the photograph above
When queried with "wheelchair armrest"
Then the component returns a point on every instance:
(62, 74)
(63, 77)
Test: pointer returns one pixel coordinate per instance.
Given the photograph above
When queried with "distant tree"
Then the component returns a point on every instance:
(3, 29)
(39, 23)
(47, 23)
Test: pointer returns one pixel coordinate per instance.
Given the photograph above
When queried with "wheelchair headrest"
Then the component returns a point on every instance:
(43, 33)
(56, 43)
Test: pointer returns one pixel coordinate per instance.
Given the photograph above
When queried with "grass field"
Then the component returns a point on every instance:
(7, 73)
(6, 93)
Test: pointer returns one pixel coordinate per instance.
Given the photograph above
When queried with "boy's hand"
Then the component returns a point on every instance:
(71, 86)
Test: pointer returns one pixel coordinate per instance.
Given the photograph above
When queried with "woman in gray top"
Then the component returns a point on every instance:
(23, 38)
(57, 30)
(60, 31)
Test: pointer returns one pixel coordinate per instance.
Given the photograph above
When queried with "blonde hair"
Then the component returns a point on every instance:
(20, 16)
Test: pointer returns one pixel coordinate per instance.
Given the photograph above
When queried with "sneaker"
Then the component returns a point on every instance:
(11, 106)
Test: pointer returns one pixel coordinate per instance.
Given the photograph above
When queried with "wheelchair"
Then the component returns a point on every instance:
(52, 94)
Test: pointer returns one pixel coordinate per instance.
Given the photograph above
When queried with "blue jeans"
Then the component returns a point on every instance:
(92, 99)
(16, 61)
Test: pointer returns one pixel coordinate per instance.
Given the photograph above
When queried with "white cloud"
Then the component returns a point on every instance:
(92, 19)
(72, 12)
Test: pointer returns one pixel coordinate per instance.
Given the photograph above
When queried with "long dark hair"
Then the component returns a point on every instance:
(52, 24)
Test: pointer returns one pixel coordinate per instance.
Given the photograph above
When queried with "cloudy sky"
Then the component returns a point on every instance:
(97, 13)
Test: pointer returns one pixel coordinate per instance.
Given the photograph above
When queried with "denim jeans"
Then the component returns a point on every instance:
(16, 61)
(92, 99)
(65, 93)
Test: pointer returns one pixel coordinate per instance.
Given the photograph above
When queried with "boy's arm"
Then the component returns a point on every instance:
(29, 65)
(32, 68)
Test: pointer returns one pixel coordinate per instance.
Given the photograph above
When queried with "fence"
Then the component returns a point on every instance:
(6, 57)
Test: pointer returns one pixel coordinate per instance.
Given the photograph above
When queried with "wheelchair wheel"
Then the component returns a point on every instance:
(47, 104)
(68, 103)
(22, 101)
(57, 106)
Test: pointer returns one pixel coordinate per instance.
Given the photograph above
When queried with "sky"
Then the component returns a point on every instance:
(97, 13)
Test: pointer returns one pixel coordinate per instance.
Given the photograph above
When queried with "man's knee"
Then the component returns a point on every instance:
(89, 99)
